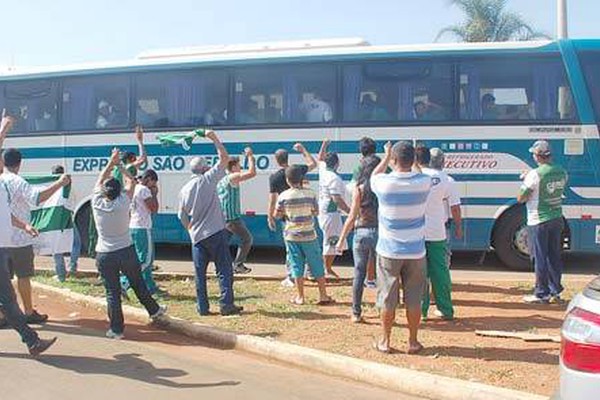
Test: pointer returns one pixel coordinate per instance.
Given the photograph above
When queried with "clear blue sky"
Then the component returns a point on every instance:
(41, 32)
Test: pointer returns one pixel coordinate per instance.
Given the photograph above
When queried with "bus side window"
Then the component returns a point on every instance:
(95, 103)
(33, 104)
(286, 94)
(181, 99)
(397, 90)
(509, 88)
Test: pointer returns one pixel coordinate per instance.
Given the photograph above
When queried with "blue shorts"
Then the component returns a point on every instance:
(301, 253)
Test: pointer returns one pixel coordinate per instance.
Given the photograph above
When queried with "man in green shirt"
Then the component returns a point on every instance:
(228, 190)
(542, 191)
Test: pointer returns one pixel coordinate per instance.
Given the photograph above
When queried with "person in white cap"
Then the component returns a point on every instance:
(542, 191)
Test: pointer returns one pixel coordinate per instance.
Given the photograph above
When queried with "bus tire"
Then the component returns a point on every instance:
(85, 223)
(505, 240)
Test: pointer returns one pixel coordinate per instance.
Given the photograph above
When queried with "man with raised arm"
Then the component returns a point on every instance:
(23, 197)
(201, 215)
(115, 253)
(13, 316)
(278, 184)
(402, 196)
(229, 195)
(130, 162)
(331, 202)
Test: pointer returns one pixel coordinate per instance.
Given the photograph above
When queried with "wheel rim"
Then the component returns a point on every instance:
(521, 241)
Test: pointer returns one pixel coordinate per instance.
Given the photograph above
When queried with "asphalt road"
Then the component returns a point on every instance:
(152, 365)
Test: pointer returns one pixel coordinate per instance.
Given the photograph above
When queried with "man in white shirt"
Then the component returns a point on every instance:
(14, 317)
(143, 204)
(331, 202)
(435, 235)
(22, 196)
(316, 110)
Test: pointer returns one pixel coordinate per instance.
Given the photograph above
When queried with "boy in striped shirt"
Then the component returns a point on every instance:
(298, 207)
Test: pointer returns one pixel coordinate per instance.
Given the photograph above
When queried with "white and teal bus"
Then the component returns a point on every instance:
(484, 104)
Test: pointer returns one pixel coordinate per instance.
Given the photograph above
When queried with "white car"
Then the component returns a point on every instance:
(580, 348)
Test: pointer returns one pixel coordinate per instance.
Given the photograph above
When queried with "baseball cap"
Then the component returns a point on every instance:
(437, 158)
(541, 148)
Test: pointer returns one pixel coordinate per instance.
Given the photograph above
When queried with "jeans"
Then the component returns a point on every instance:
(545, 244)
(214, 248)
(59, 259)
(110, 265)
(238, 227)
(363, 249)
(8, 300)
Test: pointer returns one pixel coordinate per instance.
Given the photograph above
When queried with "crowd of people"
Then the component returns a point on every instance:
(403, 209)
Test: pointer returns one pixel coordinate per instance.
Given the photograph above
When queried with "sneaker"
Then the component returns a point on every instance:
(41, 346)
(371, 285)
(162, 311)
(58, 278)
(357, 319)
(241, 269)
(36, 318)
(233, 310)
(556, 300)
(287, 282)
(113, 335)
(533, 299)
(439, 314)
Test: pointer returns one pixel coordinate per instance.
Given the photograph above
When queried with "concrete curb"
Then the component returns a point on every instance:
(162, 276)
(411, 382)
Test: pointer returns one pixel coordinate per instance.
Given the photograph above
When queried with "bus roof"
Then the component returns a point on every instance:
(279, 52)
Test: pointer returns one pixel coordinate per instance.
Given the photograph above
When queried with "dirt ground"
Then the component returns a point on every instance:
(452, 348)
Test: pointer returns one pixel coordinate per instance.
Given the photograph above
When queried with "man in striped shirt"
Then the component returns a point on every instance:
(298, 207)
(402, 197)
(228, 190)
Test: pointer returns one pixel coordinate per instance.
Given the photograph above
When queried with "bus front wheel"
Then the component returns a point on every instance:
(510, 239)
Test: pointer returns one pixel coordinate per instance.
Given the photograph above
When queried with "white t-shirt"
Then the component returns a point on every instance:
(436, 214)
(141, 217)
(22, 197)
(454, 198)
(316, 110)
(330, 184)
(5, 219)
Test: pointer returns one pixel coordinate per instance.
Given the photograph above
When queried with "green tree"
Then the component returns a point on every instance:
(490, 21)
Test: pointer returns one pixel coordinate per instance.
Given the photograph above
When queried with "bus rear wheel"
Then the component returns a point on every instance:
(510, 239)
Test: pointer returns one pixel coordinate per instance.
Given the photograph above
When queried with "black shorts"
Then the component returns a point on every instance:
(20, 262)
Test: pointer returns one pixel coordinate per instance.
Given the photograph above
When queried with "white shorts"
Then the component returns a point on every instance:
(331, 224)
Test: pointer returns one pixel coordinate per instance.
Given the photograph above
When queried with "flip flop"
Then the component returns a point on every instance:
(382, 349)
(415, 350)
(326, 302)
(296, 302)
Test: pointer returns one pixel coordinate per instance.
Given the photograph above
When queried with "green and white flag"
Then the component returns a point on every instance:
(181, 139)
(52, 218)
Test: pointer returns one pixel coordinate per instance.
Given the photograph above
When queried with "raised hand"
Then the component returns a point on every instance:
(211, 135)
(299, 147)
(65, 180)
(248, 152)
(387, 148)
(139, 133)
(115, 157)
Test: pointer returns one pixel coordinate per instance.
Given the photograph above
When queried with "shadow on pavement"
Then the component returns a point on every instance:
(537, 355)
(128, 366)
